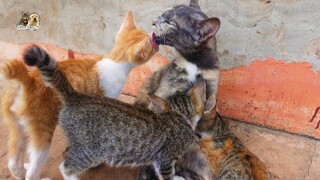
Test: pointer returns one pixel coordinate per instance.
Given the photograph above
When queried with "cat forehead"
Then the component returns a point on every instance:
(183, 11)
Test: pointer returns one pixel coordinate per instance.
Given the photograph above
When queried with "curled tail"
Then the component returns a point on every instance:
(50, 71)
(15, 70)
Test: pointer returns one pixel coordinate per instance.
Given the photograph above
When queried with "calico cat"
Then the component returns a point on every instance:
(105, 130)
(32, 107)
(228, 157)
(191, 33)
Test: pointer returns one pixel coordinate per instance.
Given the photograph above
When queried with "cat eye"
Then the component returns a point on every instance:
(166, 21)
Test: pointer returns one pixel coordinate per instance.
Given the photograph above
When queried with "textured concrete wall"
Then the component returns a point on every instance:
(282, 29)
(269, 49)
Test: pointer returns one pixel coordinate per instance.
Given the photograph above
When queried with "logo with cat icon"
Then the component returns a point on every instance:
(29, 21)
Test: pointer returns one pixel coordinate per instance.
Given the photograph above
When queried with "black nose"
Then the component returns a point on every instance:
(34, 19)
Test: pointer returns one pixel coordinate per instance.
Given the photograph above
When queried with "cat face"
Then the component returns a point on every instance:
(133, 44)
(185, 27)
(192, 104)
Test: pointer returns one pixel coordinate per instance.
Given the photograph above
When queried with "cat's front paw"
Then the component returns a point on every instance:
(18, 172)
(178, 178)
(45, 179)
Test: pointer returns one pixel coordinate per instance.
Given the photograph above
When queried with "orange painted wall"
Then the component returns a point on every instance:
(268, 92)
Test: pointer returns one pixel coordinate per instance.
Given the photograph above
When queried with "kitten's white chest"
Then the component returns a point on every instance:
(112, 76)
(192, 70)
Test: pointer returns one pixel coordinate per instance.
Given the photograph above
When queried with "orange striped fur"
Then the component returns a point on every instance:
(30, 108)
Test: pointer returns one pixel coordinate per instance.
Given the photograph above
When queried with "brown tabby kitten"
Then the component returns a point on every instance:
(228, 157)
(32, 110)
(105, 130)
(191, 33)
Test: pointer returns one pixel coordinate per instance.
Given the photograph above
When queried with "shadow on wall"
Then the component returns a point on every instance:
(268, 92)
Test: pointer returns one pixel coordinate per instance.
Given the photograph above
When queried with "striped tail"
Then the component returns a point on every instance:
(15, 70)
(50, 71)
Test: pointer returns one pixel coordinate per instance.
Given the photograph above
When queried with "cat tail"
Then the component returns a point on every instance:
(50, 71)
(15, 70)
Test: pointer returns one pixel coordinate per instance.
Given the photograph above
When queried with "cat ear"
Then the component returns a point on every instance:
(195, 4)
(210, 106)
(198, 95)
(128, 22)
(160, 105)
(207, 28)
(198, 91)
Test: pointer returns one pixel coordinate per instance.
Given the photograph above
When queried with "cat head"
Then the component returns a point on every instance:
(186, 28)
(209, 116)
(211, 120)
(133, 44)
(191, 104)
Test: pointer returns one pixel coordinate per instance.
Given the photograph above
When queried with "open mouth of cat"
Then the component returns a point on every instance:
(154, 41)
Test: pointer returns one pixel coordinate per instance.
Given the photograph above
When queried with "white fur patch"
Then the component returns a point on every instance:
(156, 168)
(195, 121)
(192, 70)
(178, 178)
(65, 176)
(112, 76)
(37, 160)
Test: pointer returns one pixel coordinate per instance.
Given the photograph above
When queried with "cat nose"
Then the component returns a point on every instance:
(154, 22)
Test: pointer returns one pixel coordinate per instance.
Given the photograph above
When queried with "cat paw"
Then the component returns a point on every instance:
(26, 166)
(45, 179)
(16, 171)
(178, 178)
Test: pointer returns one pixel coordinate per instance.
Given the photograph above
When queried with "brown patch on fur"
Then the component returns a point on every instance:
(258, 168)
(215, 156)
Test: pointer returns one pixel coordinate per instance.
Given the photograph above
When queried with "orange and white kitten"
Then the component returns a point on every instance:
(31, 108)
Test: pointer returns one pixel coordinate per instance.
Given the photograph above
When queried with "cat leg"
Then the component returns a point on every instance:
(17, 149)
(76, 161)
(146, 173)
(64, 173)
(41, 133)
(16, 143)
(164, 170)
(17, 136)
(37, 160)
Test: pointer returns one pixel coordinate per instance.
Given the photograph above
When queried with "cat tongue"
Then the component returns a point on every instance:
(153, 39)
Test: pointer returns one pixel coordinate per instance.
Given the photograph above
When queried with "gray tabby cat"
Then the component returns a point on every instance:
(192, 34)
(105, 130)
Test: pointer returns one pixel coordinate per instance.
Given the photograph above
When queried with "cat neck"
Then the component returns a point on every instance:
(117, 56)
(205, 58)
(112, 76)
